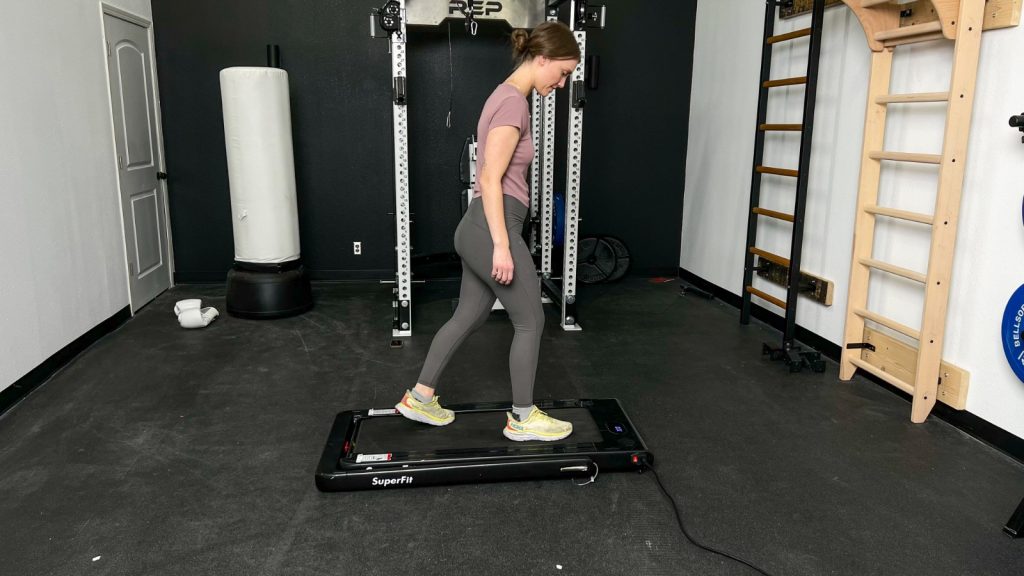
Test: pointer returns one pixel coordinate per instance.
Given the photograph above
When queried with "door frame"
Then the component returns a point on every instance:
(120, 13)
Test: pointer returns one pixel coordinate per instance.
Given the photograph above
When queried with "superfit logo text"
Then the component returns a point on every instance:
(480, 7)
(385, 482)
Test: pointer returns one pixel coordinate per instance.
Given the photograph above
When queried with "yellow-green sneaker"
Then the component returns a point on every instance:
(426, 412)
(537, 426)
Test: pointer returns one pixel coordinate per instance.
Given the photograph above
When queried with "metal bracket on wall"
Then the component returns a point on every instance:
(998, 13)
(814, 287)
(1018, 123)
(794, 8)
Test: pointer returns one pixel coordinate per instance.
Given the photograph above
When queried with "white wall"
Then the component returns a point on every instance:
(63, 263)
(990, 251)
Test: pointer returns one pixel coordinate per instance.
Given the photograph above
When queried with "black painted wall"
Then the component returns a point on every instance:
(635, 127)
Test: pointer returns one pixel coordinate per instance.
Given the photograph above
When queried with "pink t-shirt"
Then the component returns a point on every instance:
(507, 107)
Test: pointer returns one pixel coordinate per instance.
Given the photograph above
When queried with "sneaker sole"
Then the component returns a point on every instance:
(527, 436)
(420, 417)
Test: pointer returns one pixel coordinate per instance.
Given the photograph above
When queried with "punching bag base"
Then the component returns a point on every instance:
(266, 291)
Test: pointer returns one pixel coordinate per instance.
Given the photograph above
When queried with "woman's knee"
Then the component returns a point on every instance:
(480, 321)
(472, 316)
(529, 320)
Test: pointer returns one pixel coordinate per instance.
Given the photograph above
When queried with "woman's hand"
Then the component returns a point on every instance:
(501, 269)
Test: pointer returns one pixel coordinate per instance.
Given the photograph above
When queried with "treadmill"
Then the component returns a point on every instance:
(379, 448)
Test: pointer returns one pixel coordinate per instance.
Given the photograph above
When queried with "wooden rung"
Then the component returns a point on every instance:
(900, 214)
(781, 127)
(789, 35)
(770, 257)
(767, 297)
(785, 82)
(774, 214)
(907, 98)
(778, 171)
(906, 157)
(914, 39)
(886, 267)
(872, 369)
(909, 31)
(890, 324)
(870, 3)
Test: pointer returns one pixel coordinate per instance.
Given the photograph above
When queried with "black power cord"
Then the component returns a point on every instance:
(682, 527)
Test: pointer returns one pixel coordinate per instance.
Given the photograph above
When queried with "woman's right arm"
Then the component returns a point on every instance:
(501, 145)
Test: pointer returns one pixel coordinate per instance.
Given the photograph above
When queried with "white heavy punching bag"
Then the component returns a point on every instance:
(267, 279)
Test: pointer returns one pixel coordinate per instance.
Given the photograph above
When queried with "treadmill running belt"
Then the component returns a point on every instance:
(469, 430)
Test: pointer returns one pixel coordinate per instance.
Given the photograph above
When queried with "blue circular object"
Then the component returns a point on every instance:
(1013, 346)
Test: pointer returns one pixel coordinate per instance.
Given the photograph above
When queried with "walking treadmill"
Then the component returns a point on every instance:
(379, 448)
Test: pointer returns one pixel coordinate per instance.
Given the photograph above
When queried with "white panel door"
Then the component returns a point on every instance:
(143, 197)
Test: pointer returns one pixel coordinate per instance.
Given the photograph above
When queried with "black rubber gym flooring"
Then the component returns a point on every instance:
(166, 451)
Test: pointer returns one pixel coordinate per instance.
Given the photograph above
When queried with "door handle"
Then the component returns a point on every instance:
(161, 175)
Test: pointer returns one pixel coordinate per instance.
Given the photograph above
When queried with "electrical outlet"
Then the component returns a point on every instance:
(357, 248)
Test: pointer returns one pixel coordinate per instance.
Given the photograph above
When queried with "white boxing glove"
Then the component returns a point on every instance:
(190, 304)
(197, 317)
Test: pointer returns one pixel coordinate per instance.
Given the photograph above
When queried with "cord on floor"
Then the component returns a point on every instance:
(679, 519)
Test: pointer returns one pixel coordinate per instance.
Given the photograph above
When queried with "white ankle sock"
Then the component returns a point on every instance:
(522, 412)
(421, 397)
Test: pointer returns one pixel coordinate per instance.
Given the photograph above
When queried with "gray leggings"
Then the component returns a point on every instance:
(521, 298)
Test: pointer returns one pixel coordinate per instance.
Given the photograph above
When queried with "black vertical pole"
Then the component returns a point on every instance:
(273, 56)
(755, 176)
(804, 175)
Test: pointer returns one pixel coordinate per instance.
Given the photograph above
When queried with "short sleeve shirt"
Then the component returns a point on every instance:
(506, 106)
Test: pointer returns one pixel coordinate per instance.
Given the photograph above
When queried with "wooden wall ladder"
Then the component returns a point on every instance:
(961, 22)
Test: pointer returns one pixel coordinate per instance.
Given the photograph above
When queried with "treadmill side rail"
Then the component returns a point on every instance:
(458, 474)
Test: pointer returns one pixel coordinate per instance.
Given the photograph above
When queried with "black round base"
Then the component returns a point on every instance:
(266, 291)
